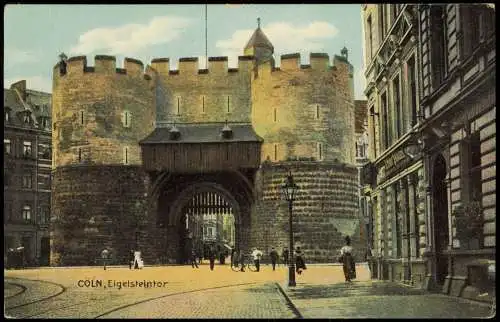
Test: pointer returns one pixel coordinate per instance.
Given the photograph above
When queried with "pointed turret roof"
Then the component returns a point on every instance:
(259, 39)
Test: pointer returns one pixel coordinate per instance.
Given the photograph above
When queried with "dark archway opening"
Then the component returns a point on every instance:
(206, 222)
(440, 211)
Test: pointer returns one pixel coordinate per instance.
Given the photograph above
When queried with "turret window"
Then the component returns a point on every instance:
(317, 111)
(125, 155)
(178, 105)
(320, 150)
(275, 152)
(275, 119)
(228, 104)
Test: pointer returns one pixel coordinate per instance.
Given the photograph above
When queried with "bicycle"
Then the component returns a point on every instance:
(236, 266)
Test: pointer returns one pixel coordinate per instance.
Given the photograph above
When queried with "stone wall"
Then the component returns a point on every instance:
(324, 212)
(96, 207)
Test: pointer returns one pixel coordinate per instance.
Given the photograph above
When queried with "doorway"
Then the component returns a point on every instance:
(45, 251)
(440, 211)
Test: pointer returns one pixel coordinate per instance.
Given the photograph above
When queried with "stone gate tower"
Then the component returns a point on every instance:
(99, 115)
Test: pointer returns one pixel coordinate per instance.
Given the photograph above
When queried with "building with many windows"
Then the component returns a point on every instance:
(431, 115)
(27, 172)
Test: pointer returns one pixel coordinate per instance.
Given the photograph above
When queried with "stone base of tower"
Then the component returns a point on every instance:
(98, 206)
(324, 212)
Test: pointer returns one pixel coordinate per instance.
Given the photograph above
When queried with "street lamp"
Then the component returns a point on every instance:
(289, 189)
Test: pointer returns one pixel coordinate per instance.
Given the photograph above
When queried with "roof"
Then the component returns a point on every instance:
(38, 103)
(203, 133)
(259, 39)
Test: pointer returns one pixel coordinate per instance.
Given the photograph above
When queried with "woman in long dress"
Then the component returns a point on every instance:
(300, 263)
(347, 260)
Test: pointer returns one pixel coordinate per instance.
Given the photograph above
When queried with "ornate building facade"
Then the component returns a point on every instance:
(27, 174)
(431, 101)
(136, 151)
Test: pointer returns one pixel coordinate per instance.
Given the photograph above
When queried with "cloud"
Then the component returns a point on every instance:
(37, 83)
(131, 38)
(285, 37)
(15, 56)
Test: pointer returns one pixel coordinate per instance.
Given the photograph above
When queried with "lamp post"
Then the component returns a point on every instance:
(288, 189)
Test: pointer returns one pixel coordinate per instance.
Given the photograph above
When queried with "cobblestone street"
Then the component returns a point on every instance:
(181, 291)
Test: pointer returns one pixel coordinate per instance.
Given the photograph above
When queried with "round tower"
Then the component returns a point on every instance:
(305, 114)
(98, 198)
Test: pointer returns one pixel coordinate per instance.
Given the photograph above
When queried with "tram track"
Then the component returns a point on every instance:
(169, 295)
(61, 291)
(23, 289)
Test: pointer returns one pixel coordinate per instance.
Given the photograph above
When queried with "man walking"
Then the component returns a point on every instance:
(257, 254)
(274, 257)
(211, 258)
(285, 256)
(193, 258)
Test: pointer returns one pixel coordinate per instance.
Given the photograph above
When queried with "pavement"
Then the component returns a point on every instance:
(184, 292)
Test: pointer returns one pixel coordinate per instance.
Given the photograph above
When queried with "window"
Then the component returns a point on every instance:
(385, 121)
(178, 105)
(373, 131)
(317, 111)
(397, 236)
(43, 215)
(412, 84)
(370, 36)
(438, 44)
(81, 117)
(27, 181)
(27, 213)
(125, 155)
(382, 20)
(7, 115)
(44, 151)
(275, 152)
(27, 148)
(27, 118)
(228, 108)
(126, 118)
(399, 119)
(320, 151)
(79, 155)
(275, 115)
(475, 167)
(203, 104)
(7, 147)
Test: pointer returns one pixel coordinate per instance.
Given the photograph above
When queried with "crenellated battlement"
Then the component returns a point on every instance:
(317, 62)
(191, 66)
(104, 64)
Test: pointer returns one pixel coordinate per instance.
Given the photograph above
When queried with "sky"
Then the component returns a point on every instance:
(35, 35)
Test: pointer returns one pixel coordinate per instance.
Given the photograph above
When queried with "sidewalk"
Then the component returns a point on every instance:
(377, 299)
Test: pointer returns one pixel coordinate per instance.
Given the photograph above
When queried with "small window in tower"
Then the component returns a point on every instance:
(125, 155)
(320, 151)
(79, 154)
(178, 105)
(203, 104)
(81, 117)
(228, 105)
(275, 115)
(276, 152)
(126, 118)
(317, 111)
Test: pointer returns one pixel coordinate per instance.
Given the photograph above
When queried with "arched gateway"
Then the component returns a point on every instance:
(201, 174)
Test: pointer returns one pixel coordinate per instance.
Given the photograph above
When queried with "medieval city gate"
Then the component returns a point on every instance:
(197, 171)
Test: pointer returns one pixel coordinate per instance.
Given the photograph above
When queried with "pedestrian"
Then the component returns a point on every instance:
(131, 259)
(104, 256)
(300, 263)
(347, 260)
(274, 257)
(193, 258)
(211, 258)
(285, 254)
(257, 255)
(233, 251)
(241, 260)
(200, 254)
